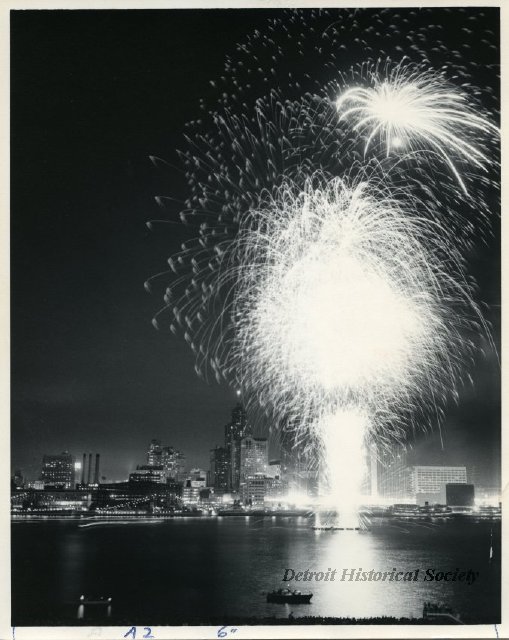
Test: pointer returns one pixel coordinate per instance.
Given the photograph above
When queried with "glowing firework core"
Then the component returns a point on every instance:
(337, 294)
(336, 310)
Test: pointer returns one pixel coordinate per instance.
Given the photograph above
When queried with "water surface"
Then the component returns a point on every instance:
(196, 570)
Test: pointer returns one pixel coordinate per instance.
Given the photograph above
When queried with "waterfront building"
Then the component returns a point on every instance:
(394, 482)
(274, 470)
(155, 454)
(275, 489)
(401, 482)
(170, 459)
(253, 490)
(58, 471)
(487, 495)
(297, 468)
(254, 457)
(18, 481)
(428, 482)
(37, 485)
(459, 494)
(173, 462)
(144, 496)
(52, 500)
(219, 468)
(194, 486)
(148, 473)
(234, 431)
(87, 479)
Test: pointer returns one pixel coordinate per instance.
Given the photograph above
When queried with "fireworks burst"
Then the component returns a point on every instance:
(418, 111)
(326, 282)
(345, 297)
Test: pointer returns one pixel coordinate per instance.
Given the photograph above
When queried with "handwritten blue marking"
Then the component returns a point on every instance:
(223, 633)
(132, 632)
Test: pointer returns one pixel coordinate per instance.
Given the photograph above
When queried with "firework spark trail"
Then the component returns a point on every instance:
(418, 111)
(328, 284)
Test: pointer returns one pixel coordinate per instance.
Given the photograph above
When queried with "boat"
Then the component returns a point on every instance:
(284, 596)
(440, 613)
(101, 600)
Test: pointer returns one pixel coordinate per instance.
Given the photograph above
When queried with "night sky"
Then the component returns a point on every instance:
(94, 94)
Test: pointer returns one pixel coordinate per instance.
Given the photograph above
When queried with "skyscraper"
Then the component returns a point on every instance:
(154, 454)
(168, 458)
(58, 471)
(254, 457)
(233, 433)
(394, 476)
(219, 468)
(174, 463)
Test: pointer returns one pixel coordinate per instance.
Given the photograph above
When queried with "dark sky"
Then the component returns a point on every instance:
(94, 93)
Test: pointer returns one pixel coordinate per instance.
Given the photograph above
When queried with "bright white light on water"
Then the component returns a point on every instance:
(343, 446)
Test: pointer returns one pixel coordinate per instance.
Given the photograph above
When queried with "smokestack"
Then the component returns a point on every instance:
(83, 468)
(89, 467)
(96, 474)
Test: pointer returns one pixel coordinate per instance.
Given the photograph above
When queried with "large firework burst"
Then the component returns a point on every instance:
(327, 282)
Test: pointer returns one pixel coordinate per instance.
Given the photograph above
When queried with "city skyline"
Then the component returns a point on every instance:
(420, 454)
(399, 473)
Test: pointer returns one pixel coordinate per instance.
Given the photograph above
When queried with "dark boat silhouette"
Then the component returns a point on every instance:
(284, 596)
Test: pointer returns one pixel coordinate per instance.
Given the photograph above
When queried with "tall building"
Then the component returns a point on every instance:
(194, 486)
(297, 468)
(174, 463)
(170, 459)
(233, 433)
(394, 477)
(58, 471)
(459, 494)
(155, 454)
(254, 468)
(274, 469)
(254, 457)
(219, 468)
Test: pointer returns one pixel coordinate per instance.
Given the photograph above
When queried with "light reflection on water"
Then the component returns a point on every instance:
(191, 570)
